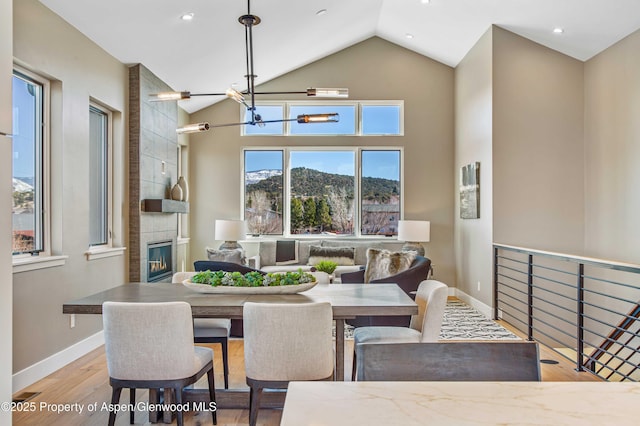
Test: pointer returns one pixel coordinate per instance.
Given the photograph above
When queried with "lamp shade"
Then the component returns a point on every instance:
(414, 230)
(229, 230)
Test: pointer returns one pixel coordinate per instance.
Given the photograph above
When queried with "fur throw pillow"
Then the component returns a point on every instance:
(343, 256)
(384, 263)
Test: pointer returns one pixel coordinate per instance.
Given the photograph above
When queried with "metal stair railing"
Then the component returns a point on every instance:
(586, 309)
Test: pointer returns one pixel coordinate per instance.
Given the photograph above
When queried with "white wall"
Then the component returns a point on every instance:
(6, 280)
(612, 152)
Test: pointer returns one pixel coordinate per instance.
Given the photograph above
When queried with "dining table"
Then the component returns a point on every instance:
(347, 301)
(460, 403)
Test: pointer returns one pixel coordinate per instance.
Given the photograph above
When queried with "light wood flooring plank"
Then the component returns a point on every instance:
(85, 381)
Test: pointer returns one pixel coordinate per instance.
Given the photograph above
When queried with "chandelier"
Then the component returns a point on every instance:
(247, 96)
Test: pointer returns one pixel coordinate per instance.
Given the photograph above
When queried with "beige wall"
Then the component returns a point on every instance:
(538, 154)
(80, 70)
(519, 111)
(612, 152)
(474, 137)
(376, 70)
(6, 287)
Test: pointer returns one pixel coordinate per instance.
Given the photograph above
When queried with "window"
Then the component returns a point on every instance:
(320, 190)
(30, 163)
(99, 175)
(357, 118)
(264, 191)
(381, 119)
(267, 112)
(346, 126)
(380, 191)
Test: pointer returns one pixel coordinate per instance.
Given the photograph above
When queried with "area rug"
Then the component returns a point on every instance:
(462, 322)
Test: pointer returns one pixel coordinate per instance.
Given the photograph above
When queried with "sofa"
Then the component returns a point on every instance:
(291, 255)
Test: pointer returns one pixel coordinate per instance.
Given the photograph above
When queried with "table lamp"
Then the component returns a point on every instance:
(229, 231)
(413, 232)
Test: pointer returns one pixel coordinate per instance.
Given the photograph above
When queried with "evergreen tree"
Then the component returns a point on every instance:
(297, 215)
(323, 216)
(310, 213)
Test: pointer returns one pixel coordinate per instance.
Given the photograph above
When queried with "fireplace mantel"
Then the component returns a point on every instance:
(163, 205)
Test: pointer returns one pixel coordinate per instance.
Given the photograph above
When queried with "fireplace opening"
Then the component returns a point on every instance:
(159, 262)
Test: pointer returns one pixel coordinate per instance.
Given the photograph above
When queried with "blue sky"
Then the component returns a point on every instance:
(23, 139)
(383, 164)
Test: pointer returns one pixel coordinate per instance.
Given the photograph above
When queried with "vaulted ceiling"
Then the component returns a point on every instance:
(206, 54)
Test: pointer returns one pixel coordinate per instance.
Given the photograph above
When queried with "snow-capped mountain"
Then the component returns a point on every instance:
(21, 186)
(258, 175)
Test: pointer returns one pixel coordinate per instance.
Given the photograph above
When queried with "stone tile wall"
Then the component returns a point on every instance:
(153, 166)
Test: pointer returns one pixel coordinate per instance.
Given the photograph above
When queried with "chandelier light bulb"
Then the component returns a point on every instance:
(169, 96)
(193, 128)
(235, 95)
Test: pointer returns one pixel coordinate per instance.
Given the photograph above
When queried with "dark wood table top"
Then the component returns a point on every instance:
(347, 300)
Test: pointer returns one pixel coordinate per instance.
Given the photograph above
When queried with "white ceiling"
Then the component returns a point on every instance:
(207, 54)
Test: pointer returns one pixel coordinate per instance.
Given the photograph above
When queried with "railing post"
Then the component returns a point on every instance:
(495, 283)
(580, 319)
(530, 297)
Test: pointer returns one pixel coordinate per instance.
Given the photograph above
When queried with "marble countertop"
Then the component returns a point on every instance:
(461, 403)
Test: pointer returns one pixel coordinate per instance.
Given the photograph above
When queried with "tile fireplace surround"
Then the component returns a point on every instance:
(153, 159)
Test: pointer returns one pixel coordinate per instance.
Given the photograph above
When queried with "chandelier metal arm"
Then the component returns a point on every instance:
(249, 21)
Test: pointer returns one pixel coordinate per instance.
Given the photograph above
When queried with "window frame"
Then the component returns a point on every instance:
(43, 166)
(93, 104)
(362, 104)
(286, 109)
(286, 213)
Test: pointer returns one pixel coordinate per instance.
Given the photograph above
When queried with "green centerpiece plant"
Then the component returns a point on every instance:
(251, 279)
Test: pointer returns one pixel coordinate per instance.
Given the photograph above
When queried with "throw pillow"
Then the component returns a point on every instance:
(303, 250)
(384, 263)
(231, 256)
(343, 256)
(286, 252)
(267, 253)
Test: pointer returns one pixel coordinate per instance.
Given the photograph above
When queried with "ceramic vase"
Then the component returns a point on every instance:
(176, 192)
(182, 182)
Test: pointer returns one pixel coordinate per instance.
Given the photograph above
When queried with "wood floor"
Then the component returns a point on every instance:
(86, 382)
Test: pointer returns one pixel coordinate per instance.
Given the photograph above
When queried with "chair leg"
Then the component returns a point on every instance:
(178, 399)
(353, 366)
(255, 395)
(132, 401)
(212, 395)
(225, 362)
(115, 399)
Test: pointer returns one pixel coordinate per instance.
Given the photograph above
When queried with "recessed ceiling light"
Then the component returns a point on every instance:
(424, 1)
(187, 16)
(558, 30)
(409, 36)
(321, 12)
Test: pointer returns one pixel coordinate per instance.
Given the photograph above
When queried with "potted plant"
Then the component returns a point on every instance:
(327, 266)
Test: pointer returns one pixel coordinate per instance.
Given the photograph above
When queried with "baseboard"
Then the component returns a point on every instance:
(42, 369)
(484, 309)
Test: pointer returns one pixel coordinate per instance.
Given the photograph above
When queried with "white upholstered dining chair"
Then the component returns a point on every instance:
(150, 346)
(210, 330)
(285, 342)
(431, 299)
